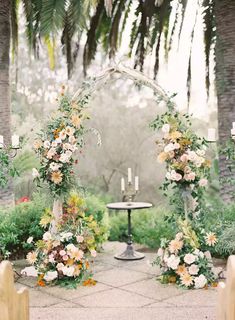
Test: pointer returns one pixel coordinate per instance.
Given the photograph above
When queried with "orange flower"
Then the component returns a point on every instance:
(186, 279)
(69, 262)
(175, 135)
(87, 265)
(56, 177)
(181, 270)
(89, 282)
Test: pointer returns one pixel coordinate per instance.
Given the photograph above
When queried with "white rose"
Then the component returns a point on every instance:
(66, 235)
(47, 236)
(166, 128)
(55, 166)
(173, 262)
(169, 147)
(93, 253)
(60, 266)
(200, 281)
(64, 158)
(160, 252)
(29, 240)
(71, 247)
(189, 258)
(201, 152)
(203, 182)
(51, 153)
(68, 271)
(54, 144)
(35, 173)
(46, 144)
(193, 269)
(50, 276)
(68, 153)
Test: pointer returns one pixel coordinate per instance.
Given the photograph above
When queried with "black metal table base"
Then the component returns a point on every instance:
(129, 254)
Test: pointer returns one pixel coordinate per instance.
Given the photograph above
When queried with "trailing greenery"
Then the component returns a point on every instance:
(149, 226)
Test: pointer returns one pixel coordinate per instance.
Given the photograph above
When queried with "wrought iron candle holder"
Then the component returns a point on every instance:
(129, 193)
(12, 149)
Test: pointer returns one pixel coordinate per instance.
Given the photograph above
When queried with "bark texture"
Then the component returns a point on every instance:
(6, 195)
(225, 80)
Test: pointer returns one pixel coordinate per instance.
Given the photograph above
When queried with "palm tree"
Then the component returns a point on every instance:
(6, 195)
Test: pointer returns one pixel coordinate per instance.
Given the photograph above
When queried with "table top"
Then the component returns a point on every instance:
(129, 205)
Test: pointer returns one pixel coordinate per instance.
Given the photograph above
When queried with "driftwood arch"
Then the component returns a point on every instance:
(95, 83)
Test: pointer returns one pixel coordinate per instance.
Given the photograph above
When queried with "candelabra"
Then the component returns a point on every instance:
(130, 191)
(10, 150)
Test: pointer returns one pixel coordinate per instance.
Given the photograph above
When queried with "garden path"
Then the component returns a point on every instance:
(125, 291)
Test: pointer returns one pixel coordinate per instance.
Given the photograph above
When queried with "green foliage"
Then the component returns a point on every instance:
(149, 226)
(97, 208)
(6, 168)
(17, 224)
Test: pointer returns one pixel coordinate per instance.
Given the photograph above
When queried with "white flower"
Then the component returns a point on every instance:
(29, 272)
(189, 258)
(62, 253)
(211, 239)
(192, 156)
(51, 258)
(179, 235)
(50, 276)
(93, 253)
(199, 161)
(67, 146)
(72, 140)
(69, 131)
(64, 158)
(173, 175)
(166, 128)
(201, 152)
(54, 144)
(55, 166)
(169, 147)
(60, 266)
(193, 269)
(62, 135)
(47, 236)
(203, 182)
(68, 153)
(46, 144)
(68, 271)
(29, 240)
(173, 262)
(160, 252)
(80, 239)
(200, 281)
(71, 247)
(66, 236)
(35, 173)
(58, 140)
(208, 256)
(51, 153)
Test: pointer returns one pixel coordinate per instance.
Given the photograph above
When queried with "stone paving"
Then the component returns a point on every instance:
(125, 290)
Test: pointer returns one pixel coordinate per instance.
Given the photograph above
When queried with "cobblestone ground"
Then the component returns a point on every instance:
(125, 290)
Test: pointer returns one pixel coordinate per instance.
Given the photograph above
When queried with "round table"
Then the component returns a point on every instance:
(129, 253)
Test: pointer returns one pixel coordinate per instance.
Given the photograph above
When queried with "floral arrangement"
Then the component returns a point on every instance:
(184, 154)
(63, 258)
(58, 143)
(182, 259)
(182, 262)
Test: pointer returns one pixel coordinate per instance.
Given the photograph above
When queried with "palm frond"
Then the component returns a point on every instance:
(52, 16)
(91, 42)
(50, 44)
(114, 31)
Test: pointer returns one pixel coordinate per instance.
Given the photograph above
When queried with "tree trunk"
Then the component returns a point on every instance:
(225, 81)
(6, 195)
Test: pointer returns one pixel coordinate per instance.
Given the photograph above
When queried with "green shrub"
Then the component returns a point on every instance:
(18, 224)
(148, 226)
